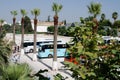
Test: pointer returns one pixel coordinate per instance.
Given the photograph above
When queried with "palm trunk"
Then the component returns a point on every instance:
(22, 37)
(0, 29)
(14, 31)
(95, 28)
(55, 43)
(35, 29)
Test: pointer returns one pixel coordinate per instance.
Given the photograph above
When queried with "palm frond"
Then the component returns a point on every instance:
(57, 8)
(23, 12)
(16, 72)
(35, 12)
(14, 13)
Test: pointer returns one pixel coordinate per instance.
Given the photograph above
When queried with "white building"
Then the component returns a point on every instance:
(42, 25)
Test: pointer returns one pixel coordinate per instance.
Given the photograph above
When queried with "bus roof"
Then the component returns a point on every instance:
(51, 43)
(45, 40)
(107, 37)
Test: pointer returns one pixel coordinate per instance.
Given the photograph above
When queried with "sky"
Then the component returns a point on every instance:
(71, 12)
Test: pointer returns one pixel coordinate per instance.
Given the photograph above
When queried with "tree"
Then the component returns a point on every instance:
(82, 20)
(14, 13)
(73, 25)
(1, 23)
(102, 17)
(7, 28)
(117, 23)
(65, 22)
(18, 28)
(95, 9)
(62, 30)
(56, 8)
(27, 25)
(84, 51)
(48, 18)
(117, 27)
(35, 12)
(104, 26)
(98, 63)
(50, 29)
(24, 13)
(115, 15)
(5, 49)
(8, 70)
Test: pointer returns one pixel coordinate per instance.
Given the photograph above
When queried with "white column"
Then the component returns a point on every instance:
(34, 57)
(22, 51)
(55, 66)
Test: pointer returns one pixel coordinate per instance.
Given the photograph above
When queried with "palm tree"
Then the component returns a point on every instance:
(24, 13)
(95, 9)
(115, 16)
(14, 13)
(56, 8)
(35, 12)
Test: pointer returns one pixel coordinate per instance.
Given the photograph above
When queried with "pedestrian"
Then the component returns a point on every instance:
(18, 48)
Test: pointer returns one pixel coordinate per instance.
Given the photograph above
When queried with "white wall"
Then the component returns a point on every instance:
(40, 28)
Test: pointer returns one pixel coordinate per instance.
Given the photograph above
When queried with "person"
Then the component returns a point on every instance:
(14, 51)
(18, 48)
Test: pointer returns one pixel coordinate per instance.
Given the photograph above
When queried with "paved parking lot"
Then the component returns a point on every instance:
(46, 63)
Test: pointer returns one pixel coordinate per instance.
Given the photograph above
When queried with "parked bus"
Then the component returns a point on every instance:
(29, 45)
(47, 50)
(108, 39)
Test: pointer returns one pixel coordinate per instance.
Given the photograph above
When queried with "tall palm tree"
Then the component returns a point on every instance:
(94, 9)
(114, 15)
(14, 13)
(56, 8)
(24, 13)
(35, 12)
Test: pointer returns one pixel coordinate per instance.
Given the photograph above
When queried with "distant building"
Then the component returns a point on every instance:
(43, 25)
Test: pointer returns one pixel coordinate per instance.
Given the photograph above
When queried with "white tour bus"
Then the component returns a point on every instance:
(29, 45)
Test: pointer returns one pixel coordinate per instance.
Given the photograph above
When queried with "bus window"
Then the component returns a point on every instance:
(25, 45)
(107, 41)
(43, 48)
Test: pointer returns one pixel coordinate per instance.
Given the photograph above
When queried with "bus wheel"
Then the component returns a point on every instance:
(50, 56)
(31, 51)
